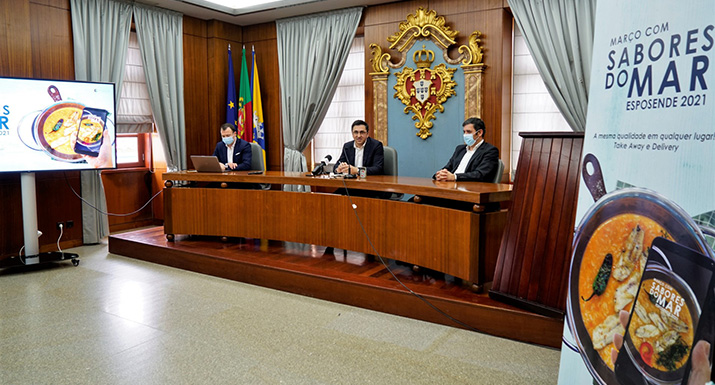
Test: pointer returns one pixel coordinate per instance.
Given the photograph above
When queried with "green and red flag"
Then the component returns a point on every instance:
(245, 116)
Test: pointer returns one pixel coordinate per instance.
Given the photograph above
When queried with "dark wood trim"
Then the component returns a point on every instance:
(565, 134)
(126, 170)
(350, 280)
(135, 225)
(474, 192)
(535, 307)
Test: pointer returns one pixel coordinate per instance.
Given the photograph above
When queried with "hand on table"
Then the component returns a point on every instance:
(346, 168)
(444, 175)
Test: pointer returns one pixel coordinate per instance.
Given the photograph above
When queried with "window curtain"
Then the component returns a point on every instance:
(161, 44)
(100, 32)
(134, 113)
(347, 105)
(559, 34)
(312, 51)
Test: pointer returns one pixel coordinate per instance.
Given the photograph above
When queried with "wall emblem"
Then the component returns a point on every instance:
(424, 90)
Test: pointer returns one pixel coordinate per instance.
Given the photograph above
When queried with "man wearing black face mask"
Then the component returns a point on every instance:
(232, 152)
(476, 160)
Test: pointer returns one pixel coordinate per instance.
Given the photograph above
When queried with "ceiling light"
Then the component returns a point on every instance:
(240, 4)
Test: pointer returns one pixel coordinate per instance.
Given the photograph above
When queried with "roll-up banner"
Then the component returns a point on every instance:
(642, 259)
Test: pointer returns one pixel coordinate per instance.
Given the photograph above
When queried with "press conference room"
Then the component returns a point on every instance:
(187, 267)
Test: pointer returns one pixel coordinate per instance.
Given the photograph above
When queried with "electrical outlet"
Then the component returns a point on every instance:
(70, 224)
(59, 224)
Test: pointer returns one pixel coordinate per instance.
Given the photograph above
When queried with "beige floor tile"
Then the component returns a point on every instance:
(116, 320)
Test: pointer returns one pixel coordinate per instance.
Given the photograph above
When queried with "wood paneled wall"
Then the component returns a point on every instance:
(15, 47)
(491, 18)
(36, 42)
(205, 81)
(200, 132)
(122, 200)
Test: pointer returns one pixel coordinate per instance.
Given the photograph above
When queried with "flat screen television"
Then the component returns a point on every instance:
(51, 125)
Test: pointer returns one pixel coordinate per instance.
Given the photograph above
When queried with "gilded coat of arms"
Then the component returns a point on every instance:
(424, 90)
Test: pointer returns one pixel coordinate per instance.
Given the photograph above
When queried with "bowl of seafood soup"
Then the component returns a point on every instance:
(610, 249)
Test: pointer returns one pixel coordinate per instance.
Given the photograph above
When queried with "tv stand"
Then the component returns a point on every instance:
(29, 226)
(49, 257)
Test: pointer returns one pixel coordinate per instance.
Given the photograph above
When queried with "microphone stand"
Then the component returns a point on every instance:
(350, 175)
(318, 170)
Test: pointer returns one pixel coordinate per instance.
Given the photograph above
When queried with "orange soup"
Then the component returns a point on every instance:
(60, 129)
(611, 237)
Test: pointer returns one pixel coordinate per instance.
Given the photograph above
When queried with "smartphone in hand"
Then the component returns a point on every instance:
(666, 315)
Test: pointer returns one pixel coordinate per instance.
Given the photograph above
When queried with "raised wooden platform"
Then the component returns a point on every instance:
(350, 278)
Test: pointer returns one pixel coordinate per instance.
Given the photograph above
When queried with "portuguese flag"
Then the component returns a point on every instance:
(245, 116)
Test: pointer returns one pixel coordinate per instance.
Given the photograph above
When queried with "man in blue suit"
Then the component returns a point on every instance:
(363, 151)
(232, 152)
(475, 160)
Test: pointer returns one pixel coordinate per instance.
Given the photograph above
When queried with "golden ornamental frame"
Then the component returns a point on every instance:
(425, 25)
(424, 106)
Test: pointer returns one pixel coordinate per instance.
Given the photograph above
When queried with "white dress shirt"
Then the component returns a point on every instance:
(229, 152)
(465, 159)
(359, 151)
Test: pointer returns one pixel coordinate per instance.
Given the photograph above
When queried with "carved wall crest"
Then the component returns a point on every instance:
(419, 26)
(424, 90)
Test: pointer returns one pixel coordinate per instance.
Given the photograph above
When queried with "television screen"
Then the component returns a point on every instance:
(50, 125)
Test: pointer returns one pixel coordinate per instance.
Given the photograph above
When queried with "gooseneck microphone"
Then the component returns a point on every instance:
(350, 175)
(320, 168)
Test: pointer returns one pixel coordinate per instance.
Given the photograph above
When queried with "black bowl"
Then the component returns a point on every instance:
(638, 201)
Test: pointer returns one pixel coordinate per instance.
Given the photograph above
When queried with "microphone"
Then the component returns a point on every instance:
(349, 175)
(320, 168)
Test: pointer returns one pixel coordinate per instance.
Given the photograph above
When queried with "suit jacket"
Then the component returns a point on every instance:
(373, 156)
(241, 154)
(481, 168)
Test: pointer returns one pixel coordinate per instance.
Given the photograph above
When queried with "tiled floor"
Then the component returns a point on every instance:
(115, 320)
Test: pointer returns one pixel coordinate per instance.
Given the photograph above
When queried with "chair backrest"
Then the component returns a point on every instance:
(500, 170)
(257, 157)
(390, 165)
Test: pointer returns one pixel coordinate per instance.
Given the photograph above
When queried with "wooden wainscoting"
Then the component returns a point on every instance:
(127, 190)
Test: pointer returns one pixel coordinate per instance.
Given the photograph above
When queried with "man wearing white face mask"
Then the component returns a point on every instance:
(476, 160)
(232, 152)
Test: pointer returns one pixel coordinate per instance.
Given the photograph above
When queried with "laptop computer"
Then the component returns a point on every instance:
(204, 163)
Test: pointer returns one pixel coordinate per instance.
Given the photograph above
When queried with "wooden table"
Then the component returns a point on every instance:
(461, 243)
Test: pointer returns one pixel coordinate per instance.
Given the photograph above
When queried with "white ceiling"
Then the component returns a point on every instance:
(258, 14)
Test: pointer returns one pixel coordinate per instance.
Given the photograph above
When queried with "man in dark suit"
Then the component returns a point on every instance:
(363, 151)
(476, 160)
(232, 152)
